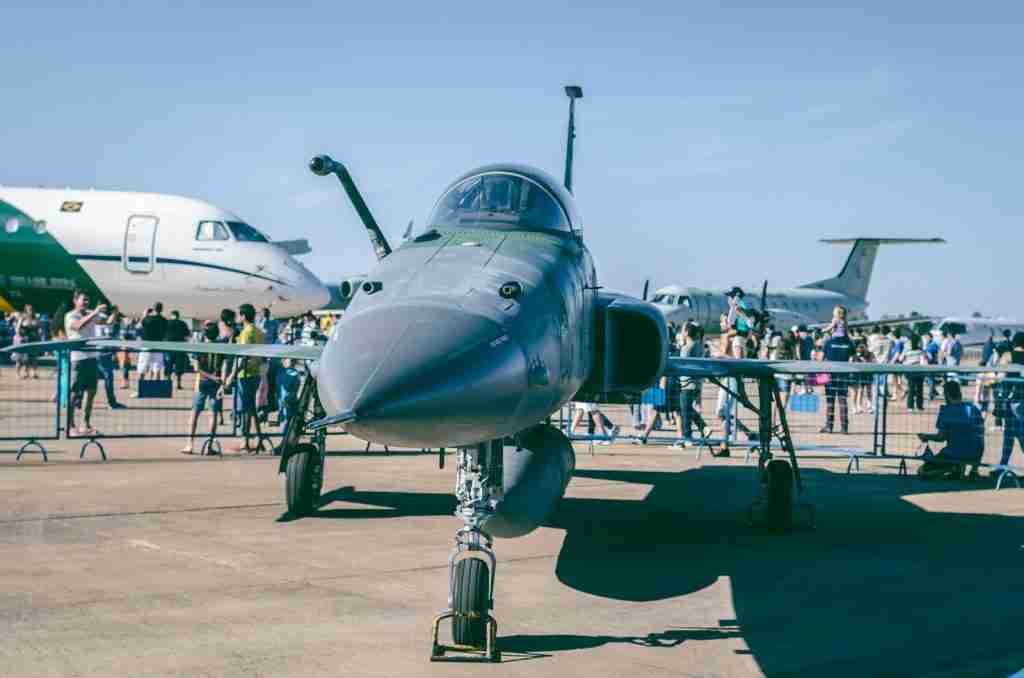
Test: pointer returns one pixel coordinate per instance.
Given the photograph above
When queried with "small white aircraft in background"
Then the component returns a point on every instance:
(134, 249)
(808, 304)
(976, 331)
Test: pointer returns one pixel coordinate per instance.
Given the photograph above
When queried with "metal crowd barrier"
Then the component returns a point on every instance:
(40, 410)
(882, 423)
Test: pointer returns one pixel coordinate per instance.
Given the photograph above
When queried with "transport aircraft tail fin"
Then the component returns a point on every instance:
(854, 278)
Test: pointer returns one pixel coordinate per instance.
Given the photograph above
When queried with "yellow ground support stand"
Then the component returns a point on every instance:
(466, 653)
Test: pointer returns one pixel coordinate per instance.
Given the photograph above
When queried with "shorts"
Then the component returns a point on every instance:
(247, 388)
(199, 402)
(738, 344)
(150, 360)
(176, 362)
(84, 375)
(586, 407)
(207, 391)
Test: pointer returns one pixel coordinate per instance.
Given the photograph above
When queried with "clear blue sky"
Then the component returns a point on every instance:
(715, 144)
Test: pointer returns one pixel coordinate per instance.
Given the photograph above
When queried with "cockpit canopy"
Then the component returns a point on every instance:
(218, 230)
(503, 200)
(671, 299)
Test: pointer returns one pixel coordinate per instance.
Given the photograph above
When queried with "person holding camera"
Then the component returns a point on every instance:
(81, 323)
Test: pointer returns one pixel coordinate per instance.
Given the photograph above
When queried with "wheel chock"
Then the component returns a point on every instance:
(465, 653)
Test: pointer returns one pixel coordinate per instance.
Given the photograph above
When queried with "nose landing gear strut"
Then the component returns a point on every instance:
(472, 564)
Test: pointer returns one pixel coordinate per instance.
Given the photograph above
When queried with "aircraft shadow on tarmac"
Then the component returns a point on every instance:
(881, 586)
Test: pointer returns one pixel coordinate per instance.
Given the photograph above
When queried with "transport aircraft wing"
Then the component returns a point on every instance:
(731, 367)
(237, 350)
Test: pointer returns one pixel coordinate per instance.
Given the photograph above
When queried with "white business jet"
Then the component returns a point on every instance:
(134, 249)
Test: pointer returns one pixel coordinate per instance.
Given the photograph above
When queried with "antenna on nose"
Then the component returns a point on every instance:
(574, 92)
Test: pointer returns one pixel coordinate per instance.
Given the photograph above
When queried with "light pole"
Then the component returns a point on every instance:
(574, 92)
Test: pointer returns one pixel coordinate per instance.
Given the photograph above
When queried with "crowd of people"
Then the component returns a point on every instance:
(257, 387)
(746, 334)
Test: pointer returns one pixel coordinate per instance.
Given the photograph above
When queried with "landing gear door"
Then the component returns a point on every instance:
(140, 244)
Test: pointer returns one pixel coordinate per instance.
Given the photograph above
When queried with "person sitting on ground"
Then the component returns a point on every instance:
(961, 427)
(209, 378)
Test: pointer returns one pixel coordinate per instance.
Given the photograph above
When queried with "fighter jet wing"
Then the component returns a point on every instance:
(729, 367)
(242, 350)
(37, 347)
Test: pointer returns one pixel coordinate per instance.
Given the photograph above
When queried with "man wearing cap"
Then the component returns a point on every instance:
(739, 323)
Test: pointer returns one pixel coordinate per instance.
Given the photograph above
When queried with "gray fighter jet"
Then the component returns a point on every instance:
(470, 336)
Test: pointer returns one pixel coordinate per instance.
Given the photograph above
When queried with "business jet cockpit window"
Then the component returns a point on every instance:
(499, 201)
(684, 301)
(211, 230)
(245, 232)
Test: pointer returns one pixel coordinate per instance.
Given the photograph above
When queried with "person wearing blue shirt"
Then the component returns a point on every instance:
(1013, 420)
(961, 426)
(931, 354)
(837, 349)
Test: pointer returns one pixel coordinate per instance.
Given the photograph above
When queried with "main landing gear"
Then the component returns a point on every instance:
(776, 509)
(471, 565)
(303, 463)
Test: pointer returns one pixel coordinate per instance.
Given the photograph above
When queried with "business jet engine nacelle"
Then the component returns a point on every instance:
(537, 469)
(347, 288)
(631, 348)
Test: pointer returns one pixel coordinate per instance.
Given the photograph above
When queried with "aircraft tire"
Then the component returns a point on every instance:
(472, 596)
(304, 477)
(779, 495)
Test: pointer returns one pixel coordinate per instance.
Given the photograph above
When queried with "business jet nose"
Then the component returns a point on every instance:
(423, 377)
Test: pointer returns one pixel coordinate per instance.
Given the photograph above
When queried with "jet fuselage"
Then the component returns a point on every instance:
(464, 335)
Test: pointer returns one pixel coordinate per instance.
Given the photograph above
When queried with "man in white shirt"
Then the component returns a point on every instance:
(81, 323)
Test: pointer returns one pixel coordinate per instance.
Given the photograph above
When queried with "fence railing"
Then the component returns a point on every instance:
(45, 406)
(884, 413)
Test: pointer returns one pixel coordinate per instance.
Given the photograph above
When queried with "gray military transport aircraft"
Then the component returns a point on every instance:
(471, 335)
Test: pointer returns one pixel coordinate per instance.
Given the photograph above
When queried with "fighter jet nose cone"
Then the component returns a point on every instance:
(423, 377)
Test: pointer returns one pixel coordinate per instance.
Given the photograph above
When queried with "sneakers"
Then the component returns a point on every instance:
(614, 433)
(678, 445)
(639, 441)
(825, 429)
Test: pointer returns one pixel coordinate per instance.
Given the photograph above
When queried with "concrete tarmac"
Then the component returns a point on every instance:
(158, 564)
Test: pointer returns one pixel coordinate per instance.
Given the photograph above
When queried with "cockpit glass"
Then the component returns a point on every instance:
(499, 201)
(245, 233)
(211, 230)
(684, 301)
(658, 299)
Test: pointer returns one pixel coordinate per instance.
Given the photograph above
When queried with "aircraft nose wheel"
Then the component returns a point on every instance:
(304, 477)
(470, 600)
